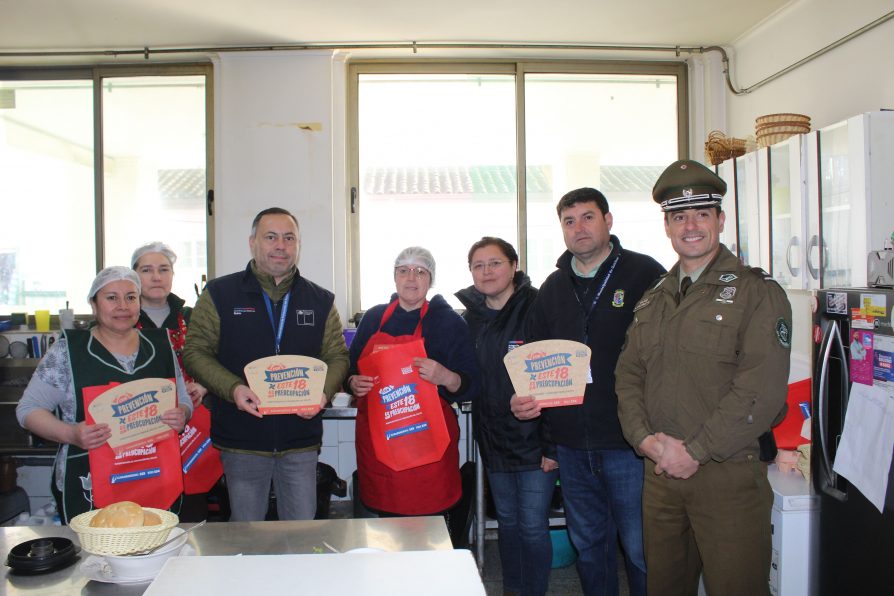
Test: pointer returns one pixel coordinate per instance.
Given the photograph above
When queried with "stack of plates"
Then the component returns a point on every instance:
(773, 128)
(18, 349)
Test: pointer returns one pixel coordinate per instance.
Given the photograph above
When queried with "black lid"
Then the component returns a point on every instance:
(41, 555)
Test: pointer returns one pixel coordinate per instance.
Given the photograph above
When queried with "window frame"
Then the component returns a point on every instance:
(96, 74)
(517, 68)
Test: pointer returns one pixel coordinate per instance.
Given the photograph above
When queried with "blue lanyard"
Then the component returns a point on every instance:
(596, 298)
(282, 317)
(602, 287)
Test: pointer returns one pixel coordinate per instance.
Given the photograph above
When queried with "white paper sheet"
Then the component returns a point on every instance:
(864, 453)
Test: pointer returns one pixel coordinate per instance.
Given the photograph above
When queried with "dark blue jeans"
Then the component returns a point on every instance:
(522, 501)
(602, 491)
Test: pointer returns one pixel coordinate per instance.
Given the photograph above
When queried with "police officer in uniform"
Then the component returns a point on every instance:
(703, 375)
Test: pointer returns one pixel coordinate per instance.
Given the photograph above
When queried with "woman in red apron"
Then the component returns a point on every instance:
(160, 308)
(395, 480)
(81, 362)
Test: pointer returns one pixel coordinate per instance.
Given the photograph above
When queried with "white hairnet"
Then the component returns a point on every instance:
(416, 255)
(110, 274)
(160, 247)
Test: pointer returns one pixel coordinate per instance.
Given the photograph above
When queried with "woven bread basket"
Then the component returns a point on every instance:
(771, 139)
(787, 124)
(719, 147)
(120, 541)
(779, 133)
(784, 117)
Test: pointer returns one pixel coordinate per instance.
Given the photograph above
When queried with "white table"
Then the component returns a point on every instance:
(433, 573)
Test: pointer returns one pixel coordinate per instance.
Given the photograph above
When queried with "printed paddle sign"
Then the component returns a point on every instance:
(553, 371)
(287, 384)
(133, 411)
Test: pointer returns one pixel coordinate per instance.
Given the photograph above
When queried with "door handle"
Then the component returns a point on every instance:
(794, 243)
(827, 482)
(811, 268)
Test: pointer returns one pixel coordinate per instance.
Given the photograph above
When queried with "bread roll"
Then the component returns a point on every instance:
(151, 519)
(124, 514)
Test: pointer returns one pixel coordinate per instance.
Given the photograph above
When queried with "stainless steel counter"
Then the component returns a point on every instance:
(233, 538)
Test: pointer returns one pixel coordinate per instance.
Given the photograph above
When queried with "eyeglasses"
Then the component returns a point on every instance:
(492, 265)
(417, 271)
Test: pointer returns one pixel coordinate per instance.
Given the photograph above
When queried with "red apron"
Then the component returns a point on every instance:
(420, 490)
(200, 460)
(149, 475)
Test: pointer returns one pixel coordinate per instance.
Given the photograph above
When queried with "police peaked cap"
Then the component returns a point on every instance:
(687, 184)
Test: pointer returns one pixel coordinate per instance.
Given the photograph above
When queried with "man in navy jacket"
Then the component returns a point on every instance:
(267, 309)
(590, 299)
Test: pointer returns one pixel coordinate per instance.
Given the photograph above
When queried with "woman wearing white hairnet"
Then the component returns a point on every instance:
(113, 351)
(160, 308)
(449, 364)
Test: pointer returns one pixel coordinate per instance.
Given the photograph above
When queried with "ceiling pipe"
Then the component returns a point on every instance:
(415, 46)
(799, 63)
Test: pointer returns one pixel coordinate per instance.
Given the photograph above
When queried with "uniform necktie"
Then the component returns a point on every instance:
(684, 287)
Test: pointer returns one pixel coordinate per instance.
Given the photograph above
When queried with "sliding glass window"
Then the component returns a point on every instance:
(68, 212)
(437, 156)
(437, 150)
(154, 175)
(47, 253)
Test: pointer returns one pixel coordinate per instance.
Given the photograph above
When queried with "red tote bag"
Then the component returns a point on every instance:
(149, 475)
(406, 421)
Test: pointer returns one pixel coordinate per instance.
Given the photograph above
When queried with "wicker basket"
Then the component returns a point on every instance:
(719, 147)
(774, 128)
(771, 139)
(786, 124)
(784, 117)
(120, 541)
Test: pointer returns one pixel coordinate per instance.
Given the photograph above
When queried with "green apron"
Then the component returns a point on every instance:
(92, 365)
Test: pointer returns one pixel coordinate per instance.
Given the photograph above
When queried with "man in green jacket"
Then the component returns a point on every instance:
(265, 310)
(702, 376)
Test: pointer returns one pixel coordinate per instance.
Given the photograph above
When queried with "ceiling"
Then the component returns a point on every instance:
(40, 25)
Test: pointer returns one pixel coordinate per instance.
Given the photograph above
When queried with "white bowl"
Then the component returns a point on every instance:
(146, 567)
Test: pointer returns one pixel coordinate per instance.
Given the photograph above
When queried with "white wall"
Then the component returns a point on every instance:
(853, 78)
(263, 158)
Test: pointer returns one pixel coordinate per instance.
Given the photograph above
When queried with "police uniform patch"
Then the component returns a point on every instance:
(783, 333)
(618, 299)
(728, 277)
(728, 292)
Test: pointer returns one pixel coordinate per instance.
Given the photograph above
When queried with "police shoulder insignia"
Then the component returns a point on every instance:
(760, 272)
(618, 299)
(728, 277)
(784, 332)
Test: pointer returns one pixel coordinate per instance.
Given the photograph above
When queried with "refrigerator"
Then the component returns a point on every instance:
(855, 540)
